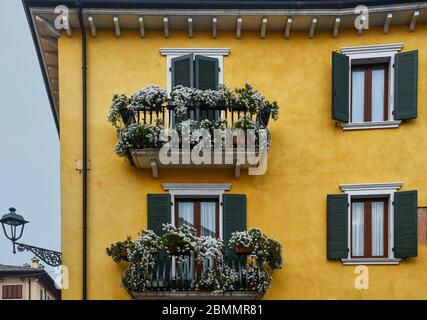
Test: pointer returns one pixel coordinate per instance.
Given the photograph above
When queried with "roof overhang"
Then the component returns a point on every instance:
(236, 15)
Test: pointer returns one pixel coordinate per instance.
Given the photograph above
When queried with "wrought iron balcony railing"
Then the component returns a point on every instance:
(165, 114)
(175, 280)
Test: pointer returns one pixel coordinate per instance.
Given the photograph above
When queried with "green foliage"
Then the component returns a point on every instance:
(119, 250)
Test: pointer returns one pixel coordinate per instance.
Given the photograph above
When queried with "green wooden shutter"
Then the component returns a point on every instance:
(159, 211)
(340, 87)
(206, 72)
(406, 85)
(405, 224)
(206, 77)
(337, 229)
(234, 215)
(183, 71)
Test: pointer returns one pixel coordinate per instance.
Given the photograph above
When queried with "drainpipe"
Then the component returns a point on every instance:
(84, 152)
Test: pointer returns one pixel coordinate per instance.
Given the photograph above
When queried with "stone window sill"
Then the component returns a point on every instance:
(371, 125)
(370, 261)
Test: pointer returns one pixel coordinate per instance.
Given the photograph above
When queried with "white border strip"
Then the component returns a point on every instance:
(183, 51)
(371, 186)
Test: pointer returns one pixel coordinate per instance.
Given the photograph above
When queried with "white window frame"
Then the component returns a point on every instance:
(367, 53)
(197, 190)
(386, 189)
(171, 53)
(177, 190)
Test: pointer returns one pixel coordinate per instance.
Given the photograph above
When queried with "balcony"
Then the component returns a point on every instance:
(237, 133)
(182, 265)
(171, 280)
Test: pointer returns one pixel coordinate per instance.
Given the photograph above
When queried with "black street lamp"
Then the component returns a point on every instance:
(13, 227)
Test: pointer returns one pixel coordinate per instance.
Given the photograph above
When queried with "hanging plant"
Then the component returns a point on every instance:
(218, 280)
(179, 241)
(148, 98)
(118, 106)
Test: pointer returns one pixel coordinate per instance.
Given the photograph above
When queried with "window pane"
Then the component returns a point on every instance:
(358, 96)
(357, 229)
(186, 213)
(377, 228)
(378, 94)
(207, 219)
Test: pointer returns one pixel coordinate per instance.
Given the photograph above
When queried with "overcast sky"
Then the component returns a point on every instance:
(29, 163)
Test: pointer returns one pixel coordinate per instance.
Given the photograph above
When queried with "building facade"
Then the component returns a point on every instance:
(345, 184)
(28, 282)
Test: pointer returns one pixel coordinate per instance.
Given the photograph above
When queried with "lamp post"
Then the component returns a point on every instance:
(13, 227)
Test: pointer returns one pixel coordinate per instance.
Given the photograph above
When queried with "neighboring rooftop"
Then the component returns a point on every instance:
(35, 270)
(215, 15)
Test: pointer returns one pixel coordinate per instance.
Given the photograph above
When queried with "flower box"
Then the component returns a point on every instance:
(243, 250)
(124, 254)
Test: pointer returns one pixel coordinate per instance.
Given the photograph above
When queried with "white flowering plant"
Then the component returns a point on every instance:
(119, 103)
(179, 241)
(138, 135)
(182, 97)
(256, 278)
(262, 134)
(136, 277)
(218, 280)
(182, 242)
(251, 99)
(209, 248)
(119, 251)
(262, 248)
(148, 98)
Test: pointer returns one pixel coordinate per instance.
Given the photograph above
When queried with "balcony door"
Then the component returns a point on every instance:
(202, 214)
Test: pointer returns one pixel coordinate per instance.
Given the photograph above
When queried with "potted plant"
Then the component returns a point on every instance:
(149, 98)
(218, 280)
(119, 250)
(256, 278)
(241, 242)
(119, 110)
(178, 241)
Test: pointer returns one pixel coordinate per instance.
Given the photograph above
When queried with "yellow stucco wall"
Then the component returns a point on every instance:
(310, 156)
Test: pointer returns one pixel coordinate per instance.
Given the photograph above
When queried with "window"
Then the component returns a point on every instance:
(12, 291)
(374, 86)
(202, 214)
(372, 223)
(41, 294)
(195, 67)
(369, 228)
(369, 94)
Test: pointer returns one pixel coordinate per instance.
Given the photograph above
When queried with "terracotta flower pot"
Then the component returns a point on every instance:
(124, 254)
(243, 250)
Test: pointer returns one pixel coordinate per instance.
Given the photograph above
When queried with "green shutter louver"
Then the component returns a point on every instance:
(206, 72)
(183, 71)
(406, 85)
(405, 224)
(206, 77)
(159, 211)
(337, 226)
(234, 215)
(340, 86)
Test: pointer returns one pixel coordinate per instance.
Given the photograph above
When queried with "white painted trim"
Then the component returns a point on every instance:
(383, 189)
(198, 186)
(393, 47)
(205, 51)
(380, 51)
(370, 261)
(371, 125)
(198, 189)
(370, 186)
(171, 53)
